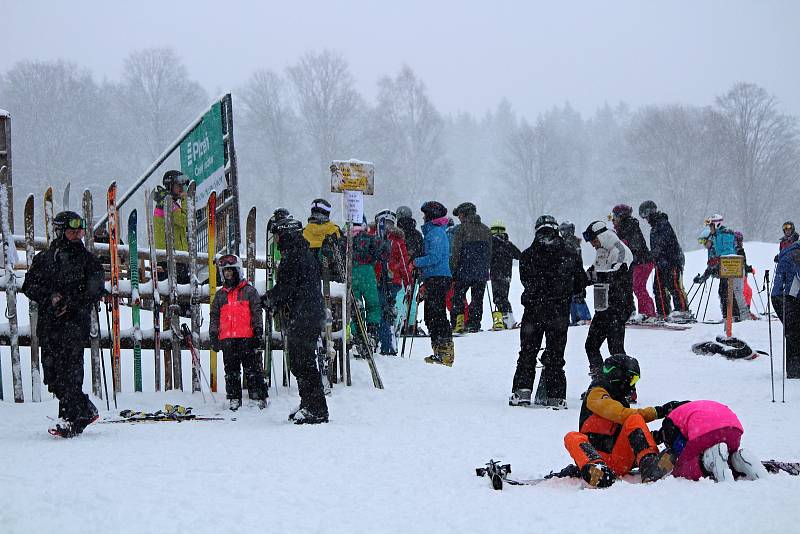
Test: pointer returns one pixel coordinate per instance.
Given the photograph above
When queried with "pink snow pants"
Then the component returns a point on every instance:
(689, 462)
(640, 275)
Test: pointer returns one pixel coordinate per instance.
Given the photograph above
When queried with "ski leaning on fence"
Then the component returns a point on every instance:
(94, 332)
(113, 243)
(33, 308)
(151, 242)
(194, 283)
(133, 262)
(212, 272)
(9, 259)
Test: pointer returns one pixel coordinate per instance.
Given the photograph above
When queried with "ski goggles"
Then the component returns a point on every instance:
(228, 260)
(76, 224)
(789, 227)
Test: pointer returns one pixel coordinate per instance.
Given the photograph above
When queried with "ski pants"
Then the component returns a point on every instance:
(578, 310)
(668, 283)
(436, 288)
(366, 287)
(62, 366)
(633, 442)
(388, 316)
(790, 317)
(608, 326)
(550, 321)
(477, 288)
(302, 347)
(640, 275)
(238, 354)
(741, 311)
(690, 464)
(501, 287)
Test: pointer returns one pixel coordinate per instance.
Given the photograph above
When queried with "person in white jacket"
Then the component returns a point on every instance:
(613, 293)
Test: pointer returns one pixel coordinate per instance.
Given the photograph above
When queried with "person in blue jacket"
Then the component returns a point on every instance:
(786, 299)
(720, 240)
(434, 268)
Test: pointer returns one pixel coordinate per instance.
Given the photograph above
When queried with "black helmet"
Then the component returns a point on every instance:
(621, 372)
(593, 230)
(433, 210)
(647, 209)
(286, 226)
(174, 177)
(465, 208)
(404, 212)
(566, 228)
(67, 220)
(546, 221)
(277, 215)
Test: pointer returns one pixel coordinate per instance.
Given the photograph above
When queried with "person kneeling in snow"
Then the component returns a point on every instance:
(237, 330)
(704, 436)
(613, 437)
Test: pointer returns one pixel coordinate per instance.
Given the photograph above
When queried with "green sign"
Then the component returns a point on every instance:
(203, 155)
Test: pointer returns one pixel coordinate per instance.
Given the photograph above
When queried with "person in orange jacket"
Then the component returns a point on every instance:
(613, 437)
(237, 330)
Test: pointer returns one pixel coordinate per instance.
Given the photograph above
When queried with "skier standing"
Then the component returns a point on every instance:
(434, 267)
(504, 252)
(578, 310)
(721, 241)
(613, 301)
(237, 329)
(613, 438)
(368, 251)
(470, 259)
(172, 196)
(551, 274)
(786, 301)
(66, 281)
(298, 298)
(391, 275)
(415, 248)
(669, 262)
(627, 228)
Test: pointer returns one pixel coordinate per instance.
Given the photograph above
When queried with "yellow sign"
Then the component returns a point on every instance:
(353, 175)
(731, 266)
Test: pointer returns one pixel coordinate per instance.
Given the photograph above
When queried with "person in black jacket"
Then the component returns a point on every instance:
(551, 274)
(414, 239)
(504, 252)
(470, 260)
(627, 228)
(669, 260)
(66, 281)
(297, 296)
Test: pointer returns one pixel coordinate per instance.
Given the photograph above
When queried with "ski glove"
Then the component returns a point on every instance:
(665, 409)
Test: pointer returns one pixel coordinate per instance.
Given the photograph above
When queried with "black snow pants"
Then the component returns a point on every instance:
(500, 287)
(550, 321)
(790, 316)
(302, 347)
(609, 326)
(238, 354)
(668, 283)
(477, 289)
(436, 289)
(62, 364)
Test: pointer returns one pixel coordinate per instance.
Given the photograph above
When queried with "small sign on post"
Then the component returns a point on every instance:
(731, 267)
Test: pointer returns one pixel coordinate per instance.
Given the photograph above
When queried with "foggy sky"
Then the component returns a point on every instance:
(470, 54)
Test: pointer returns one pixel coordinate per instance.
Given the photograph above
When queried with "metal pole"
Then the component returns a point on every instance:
(783, 351)
(708, 298)
(755, 284)
(769, 323)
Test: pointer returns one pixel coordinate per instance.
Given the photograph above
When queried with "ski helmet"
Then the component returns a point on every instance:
(231, 261)
(621, 211)
(320, 206)
(174, 177)
(404, 212)
(788, 225)
(647, 209)
(278, 215)
(433, 210)
(386, 215)
(621, 372)
(67, 220)
(566, 228)
(546, 221)
(286, 226)
(594, 230)
(465, 208)
(498, 227)
(715, 219)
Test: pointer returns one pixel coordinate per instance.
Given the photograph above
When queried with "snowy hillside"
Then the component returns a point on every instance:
(401, 459)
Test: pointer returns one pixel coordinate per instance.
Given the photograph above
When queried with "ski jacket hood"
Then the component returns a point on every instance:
(315, 232)
(612, 254)
(696, 418)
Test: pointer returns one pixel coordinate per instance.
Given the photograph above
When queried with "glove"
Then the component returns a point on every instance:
(592, 274)
(665, 409)
(59, 304)
(658, 436)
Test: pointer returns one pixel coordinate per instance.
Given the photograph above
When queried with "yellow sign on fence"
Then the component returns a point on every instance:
(731, 266)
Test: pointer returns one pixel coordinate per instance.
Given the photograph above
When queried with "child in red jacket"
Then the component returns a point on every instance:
(391, 276)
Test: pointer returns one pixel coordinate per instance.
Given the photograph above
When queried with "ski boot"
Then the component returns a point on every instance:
(520, 397)
(555, 403)
(715, 462)
(655, 466)
(261, 403)
(63, 430)
(305, 416)
(234, 404)
(509, 321)
(443, 353)
(498, 321)
(747, 465)
(598, 475)
(294, 412)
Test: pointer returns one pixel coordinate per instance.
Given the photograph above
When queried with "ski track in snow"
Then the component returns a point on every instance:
(397, 460)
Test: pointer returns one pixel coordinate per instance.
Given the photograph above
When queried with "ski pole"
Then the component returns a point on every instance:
(416, 309)
(702, 292)
(769, 324)
(708, 298)
(412, 289)
(755, 284)
(108, 327)
(783, 351)
(661, 294)
(103, 363)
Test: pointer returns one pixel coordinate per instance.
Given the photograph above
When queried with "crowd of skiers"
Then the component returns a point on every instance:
(395, 265)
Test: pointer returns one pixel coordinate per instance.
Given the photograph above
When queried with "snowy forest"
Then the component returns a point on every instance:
(738, 155)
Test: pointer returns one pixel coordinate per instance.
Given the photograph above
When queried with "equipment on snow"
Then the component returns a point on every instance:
(730, 347)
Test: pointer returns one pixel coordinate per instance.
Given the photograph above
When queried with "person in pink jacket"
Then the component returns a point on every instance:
(705, 438)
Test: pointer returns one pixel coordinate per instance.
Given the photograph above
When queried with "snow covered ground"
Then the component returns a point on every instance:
(401, 459)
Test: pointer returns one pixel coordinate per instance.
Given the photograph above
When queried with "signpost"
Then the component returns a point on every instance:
(731, 268)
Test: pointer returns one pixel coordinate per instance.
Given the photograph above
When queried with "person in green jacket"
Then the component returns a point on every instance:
(172, 195)
(368, 249)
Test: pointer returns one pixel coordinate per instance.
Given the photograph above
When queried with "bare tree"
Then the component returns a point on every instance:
(329, 104)
(157, 100)
(764, 158)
